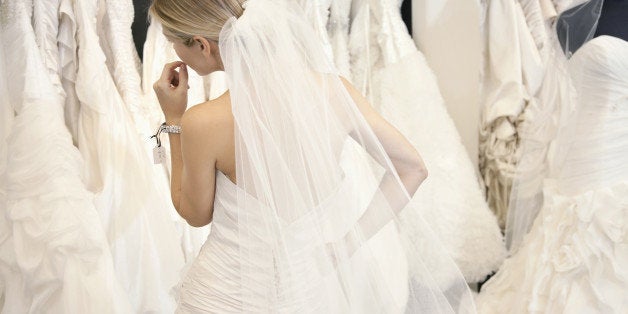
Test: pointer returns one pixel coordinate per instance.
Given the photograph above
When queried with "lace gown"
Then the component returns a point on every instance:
(574, 258)
(53, 248)
(395, 76)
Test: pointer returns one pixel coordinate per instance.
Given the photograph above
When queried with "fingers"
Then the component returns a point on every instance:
(183, 75)
(170, 77)
(166, 74)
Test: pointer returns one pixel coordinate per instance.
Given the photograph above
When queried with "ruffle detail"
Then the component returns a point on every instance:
(573, 260)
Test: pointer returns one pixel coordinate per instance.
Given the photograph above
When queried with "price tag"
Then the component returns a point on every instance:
(159, 155)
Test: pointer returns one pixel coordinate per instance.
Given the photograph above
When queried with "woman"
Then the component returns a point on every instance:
(303, 220)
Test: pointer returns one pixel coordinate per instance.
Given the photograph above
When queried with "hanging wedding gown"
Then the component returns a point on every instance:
(122, 60)
(146, 252)
(55, 257)
(394, 74)
(8, 266)
(68, 63)
(573, 259)
(338, 32)
(513, 73)
(123, 63)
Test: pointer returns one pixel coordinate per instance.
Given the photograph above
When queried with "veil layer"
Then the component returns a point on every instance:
(318, 197)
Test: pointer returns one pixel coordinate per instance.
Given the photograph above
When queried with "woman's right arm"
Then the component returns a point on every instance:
(402, 154)
(407, 163)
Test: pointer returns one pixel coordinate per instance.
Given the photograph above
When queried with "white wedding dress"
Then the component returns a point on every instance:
(396, 78)
(213, 284)
(574, 258)
(278, 239)
(54, 254)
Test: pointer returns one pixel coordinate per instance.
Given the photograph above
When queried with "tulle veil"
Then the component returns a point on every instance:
(318, 197)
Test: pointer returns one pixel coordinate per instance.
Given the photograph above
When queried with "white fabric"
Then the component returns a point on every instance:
(68, 63)
(512, 76)
(338, 32)
(542, 120)
(403, 88)
(54, 254)
(574, 257)
(133, 208)
(317, 12)
(276, 241)
(123, 62)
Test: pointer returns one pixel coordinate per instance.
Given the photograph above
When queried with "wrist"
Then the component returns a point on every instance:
(173, 120)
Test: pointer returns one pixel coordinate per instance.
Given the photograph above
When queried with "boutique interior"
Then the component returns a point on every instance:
(518, 108)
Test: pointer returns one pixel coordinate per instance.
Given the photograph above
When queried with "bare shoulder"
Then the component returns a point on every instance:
(211, 119)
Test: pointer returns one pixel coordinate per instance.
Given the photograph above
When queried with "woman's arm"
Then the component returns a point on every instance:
(408, 165)
(402, 154)
(193, 161)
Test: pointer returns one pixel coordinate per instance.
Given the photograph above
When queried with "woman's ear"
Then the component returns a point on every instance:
(203, 44)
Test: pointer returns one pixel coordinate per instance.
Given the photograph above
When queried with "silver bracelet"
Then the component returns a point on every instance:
(175, 129)
(164, 128)
(159, 152)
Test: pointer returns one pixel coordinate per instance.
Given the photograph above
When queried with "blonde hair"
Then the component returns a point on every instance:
(184, 19)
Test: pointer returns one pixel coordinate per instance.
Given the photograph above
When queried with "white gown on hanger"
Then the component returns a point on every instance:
(574, 258)
(68, 63)
(512, 76)
(52, 242)
(123, 62)
(147, 255)
(395, 75)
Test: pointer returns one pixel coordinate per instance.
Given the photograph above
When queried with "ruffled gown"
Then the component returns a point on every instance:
(54, 254)
(574, 258)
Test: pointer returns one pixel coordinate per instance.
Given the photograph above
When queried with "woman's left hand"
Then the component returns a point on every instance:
(172, 90)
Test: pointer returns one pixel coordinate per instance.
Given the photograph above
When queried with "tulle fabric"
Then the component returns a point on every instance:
(405, 92)
(576, 25)
(297, 194)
